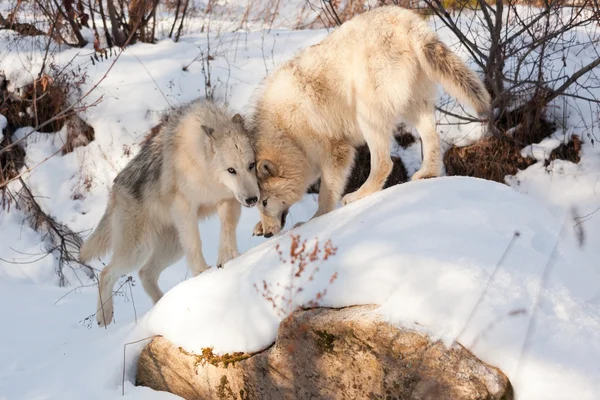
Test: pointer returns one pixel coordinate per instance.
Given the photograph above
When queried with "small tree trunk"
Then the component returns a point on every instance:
(494, 67)
(136, 18)
(176, 17)
(109, 41)
(187, 2)
(68, 4)
(117, 33)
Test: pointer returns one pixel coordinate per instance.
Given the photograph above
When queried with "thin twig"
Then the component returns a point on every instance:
(125, 360)
(536, 302)
(514, 238)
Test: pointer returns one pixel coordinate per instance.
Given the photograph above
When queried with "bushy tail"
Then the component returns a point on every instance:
(456, 78)
(99, 241)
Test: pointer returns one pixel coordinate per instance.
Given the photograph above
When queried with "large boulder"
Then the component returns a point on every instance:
(321, 353)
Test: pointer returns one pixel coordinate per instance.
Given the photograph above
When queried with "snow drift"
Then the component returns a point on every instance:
(424, 251)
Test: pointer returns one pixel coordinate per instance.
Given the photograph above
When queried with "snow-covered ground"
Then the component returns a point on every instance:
(425, 250)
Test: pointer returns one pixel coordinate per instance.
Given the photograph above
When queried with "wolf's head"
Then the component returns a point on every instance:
(233, 162)
(282, 170)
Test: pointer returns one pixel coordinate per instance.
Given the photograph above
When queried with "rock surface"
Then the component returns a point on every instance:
(348, 353)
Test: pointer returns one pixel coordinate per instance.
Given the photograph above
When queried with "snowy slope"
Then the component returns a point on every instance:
(424, 251)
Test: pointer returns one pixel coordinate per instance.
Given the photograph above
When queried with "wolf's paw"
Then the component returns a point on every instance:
(424, 174)
(258, 229)
(104, 316)
(351, 198)
(226, 255)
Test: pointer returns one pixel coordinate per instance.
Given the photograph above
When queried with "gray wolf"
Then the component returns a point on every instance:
(201, 162)
(377, 69)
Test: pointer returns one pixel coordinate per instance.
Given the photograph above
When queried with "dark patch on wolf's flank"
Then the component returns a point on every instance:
(146, 167)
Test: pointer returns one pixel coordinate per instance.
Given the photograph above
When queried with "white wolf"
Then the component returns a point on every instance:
(199, 163)
(378, 68)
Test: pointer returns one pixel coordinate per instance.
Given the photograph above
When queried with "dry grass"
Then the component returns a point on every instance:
(569, 151)
(491, 158)
(35, 104)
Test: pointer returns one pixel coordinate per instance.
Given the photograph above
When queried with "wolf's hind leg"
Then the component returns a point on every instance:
(229, 215)
(377, 136)
(124, 260)
(424, 121)
(166, 252)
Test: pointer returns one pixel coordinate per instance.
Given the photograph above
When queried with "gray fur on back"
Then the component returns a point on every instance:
(147, 167)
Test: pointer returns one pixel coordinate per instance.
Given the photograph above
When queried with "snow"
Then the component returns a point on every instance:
(424, 251)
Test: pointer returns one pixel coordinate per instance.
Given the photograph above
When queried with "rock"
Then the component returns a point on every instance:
(349, 353)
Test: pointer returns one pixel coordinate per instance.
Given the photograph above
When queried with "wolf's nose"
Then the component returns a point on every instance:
(251, 201)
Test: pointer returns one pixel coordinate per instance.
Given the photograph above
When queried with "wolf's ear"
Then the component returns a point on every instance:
(237, 119)
(208, 131)
(265, 169)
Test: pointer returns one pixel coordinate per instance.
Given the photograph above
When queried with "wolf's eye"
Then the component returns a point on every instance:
(264, 203)
(251, 166)
(231, 171)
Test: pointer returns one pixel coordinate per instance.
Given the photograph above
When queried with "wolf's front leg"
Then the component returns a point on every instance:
(229, 215)
(258, 229)
(185, 218)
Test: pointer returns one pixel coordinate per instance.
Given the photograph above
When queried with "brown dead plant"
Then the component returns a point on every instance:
(492, 158)
(304, 262)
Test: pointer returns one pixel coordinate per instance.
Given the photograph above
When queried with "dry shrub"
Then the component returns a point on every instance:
(333, 13)
(528, 124)
(336, 12)
(23, 29)
(491, 158)
(566, 151)
(304, 262)
(37, 103)
(46, 98)
(12, 159)
(455, 5)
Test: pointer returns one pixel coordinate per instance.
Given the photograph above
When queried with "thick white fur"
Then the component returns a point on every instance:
(179, 176)
(377, 69)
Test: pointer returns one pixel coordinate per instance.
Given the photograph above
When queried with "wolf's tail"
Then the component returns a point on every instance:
(460, 81)
(99, 241)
